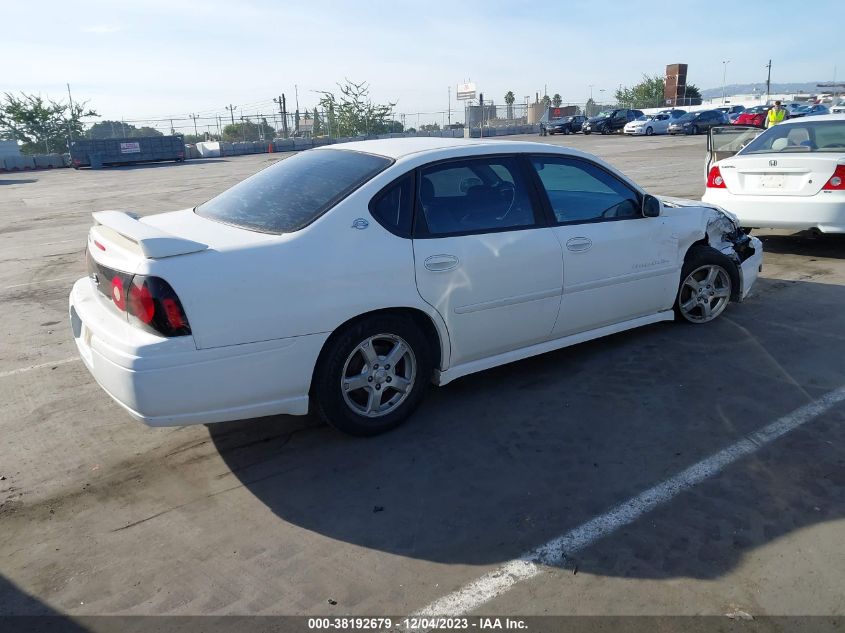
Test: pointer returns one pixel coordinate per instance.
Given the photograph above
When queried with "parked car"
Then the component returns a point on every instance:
(755, 116)
(349, 277)
(647, 125)
(839, 108)
(791, 176)
(610, 122)
(792, 108)
(811, 110)
(731, 112)
(697, 122)
(562, 125)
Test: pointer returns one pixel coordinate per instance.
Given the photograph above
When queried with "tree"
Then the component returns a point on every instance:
(119, 129)
(646, 94)
(557, 100)
(352, 112)
(546, 100)
(509, 99)
(246, 131)
(41, 125)
(317, 130)
(590, 108)
(430, 127)
(691, 95)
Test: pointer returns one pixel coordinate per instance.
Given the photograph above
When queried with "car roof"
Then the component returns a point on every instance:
(397, 148)
(818, 117)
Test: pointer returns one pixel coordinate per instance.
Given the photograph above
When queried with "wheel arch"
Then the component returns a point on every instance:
(431, 325)
(733, 270)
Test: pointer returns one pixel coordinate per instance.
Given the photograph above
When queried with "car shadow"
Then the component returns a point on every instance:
(17, 181)
(804, 243)
(169, 163)
(20, 611)
(500, 462)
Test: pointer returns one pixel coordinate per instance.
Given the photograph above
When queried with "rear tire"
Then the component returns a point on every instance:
(372, 375)
(708, 281)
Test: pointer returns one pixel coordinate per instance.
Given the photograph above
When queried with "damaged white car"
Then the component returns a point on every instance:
(347, 278)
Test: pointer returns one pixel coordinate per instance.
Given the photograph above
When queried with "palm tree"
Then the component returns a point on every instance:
(557, 100)
(509, 99)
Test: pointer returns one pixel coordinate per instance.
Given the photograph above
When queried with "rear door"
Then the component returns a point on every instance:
(483, 257)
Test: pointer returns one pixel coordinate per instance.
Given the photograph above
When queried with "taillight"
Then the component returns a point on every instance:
(837, 180)
(118, 293)
(714, 178)
(154, 305)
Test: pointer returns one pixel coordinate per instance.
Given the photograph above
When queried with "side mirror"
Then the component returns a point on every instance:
(651, 207)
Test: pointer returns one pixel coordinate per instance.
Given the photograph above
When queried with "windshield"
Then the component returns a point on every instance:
(756, 109)
(807, 136)
(294, 192)
(645, 117)
(603, 114)
(686, 117)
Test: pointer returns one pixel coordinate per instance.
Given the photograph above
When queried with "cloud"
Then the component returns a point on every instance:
(101, 28)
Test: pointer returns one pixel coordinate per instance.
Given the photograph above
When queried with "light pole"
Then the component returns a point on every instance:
(725, 63)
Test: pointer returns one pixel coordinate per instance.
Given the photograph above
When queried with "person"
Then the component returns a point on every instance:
(776, 115)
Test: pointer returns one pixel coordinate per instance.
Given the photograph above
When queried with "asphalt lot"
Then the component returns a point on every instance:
(101, 515)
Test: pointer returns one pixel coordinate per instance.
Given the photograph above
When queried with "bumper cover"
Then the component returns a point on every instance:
(168, 382)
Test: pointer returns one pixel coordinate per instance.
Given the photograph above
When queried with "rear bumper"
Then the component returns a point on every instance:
(823, 211)
(168, 382)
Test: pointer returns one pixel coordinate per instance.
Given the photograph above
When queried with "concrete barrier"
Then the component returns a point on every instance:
(302, 143)
(283, 145)
(321, 140)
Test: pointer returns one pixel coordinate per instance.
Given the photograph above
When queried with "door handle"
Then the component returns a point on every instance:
(441, 263)
(579, 244)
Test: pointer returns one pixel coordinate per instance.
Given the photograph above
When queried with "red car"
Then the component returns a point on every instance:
(755, 116)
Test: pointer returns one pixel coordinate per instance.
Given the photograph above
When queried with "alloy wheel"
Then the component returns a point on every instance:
(378, 375)
(705, 293)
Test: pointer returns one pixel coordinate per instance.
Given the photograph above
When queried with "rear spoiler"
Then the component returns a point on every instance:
(153, 242)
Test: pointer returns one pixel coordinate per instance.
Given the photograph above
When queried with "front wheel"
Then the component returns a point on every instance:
(586, 132)
(372, 375)
(707, 284)
(694, 130)
(649, 131)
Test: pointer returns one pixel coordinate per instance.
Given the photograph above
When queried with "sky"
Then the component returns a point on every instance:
(155, 59)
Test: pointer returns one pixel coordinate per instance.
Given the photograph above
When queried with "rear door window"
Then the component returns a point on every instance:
(478, 195)
(294, 192)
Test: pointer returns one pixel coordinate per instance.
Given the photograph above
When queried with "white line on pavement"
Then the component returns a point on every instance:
(493, 584)
(21, 370)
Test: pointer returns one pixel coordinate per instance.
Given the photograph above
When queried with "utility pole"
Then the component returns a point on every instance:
(725, 63)
(194, 117)
(283, 111)
(231, 108)
(296, 96)
(243, 129)
(450, 107)
(768, 80)
(172, 129)
(70, 100)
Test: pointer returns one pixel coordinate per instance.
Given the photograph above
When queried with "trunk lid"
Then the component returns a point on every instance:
(121, 240)
(778, 174)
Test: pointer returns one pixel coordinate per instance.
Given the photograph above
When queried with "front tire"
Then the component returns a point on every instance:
(649, 131)
(372, 375)
(708, 280)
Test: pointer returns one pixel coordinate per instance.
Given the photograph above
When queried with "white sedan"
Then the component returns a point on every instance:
(347, 278)
(648, 124)
(792, 176)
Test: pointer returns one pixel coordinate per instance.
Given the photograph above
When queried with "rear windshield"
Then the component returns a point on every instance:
(806, 136)
(294, 192)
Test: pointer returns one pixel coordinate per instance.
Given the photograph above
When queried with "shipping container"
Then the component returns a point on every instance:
(126, 151)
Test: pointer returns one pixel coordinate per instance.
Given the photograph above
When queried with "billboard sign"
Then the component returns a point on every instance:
(466, 92)
(130, 148)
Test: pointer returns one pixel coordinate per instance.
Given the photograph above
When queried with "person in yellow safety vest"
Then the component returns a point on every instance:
(776, 115)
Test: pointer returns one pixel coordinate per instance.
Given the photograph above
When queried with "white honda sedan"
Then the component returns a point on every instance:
(792, 176)
(345, 279)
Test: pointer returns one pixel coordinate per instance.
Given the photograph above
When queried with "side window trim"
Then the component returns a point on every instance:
(420, 227)
(412, 174)
(549, 213)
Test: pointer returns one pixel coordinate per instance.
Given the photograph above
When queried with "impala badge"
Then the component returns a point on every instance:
(360, 224)
(773, 163)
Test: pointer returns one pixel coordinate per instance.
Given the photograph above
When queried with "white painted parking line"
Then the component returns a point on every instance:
(21, 370)
(493, 584)
(40, 281)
